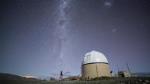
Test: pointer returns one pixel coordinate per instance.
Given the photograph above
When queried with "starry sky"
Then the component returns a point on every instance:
(42, 37)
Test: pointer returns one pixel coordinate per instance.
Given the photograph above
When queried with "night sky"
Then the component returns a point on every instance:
(42, 37)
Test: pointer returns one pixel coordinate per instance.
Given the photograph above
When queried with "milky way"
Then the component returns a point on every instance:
(60, 33)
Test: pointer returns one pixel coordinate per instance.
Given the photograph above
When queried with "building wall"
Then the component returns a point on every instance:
(95, 70)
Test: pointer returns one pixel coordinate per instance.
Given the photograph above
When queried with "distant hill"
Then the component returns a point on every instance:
(7, 76)
(141, 74)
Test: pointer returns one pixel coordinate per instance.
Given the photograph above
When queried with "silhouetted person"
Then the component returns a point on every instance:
(61, 75)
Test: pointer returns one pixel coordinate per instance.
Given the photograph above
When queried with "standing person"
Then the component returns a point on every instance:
(61, 75)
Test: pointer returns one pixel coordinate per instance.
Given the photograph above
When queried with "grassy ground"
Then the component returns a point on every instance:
(15, 79)
(108, 81)
(102, 81)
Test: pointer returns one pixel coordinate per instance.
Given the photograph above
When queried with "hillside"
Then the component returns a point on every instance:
(6, 78)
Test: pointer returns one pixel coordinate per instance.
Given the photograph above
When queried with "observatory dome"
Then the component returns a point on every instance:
(94, 56)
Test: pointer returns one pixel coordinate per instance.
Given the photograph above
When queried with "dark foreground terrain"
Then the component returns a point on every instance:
(14, 79)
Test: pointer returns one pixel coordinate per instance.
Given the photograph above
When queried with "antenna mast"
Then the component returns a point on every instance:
(129, 71)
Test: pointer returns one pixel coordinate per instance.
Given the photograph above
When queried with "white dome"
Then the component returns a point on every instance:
(94, 56)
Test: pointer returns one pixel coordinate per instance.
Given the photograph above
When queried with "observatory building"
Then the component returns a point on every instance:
(95, 64)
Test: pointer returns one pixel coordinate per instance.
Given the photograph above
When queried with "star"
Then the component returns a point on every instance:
(114, 30)
(107, 4)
